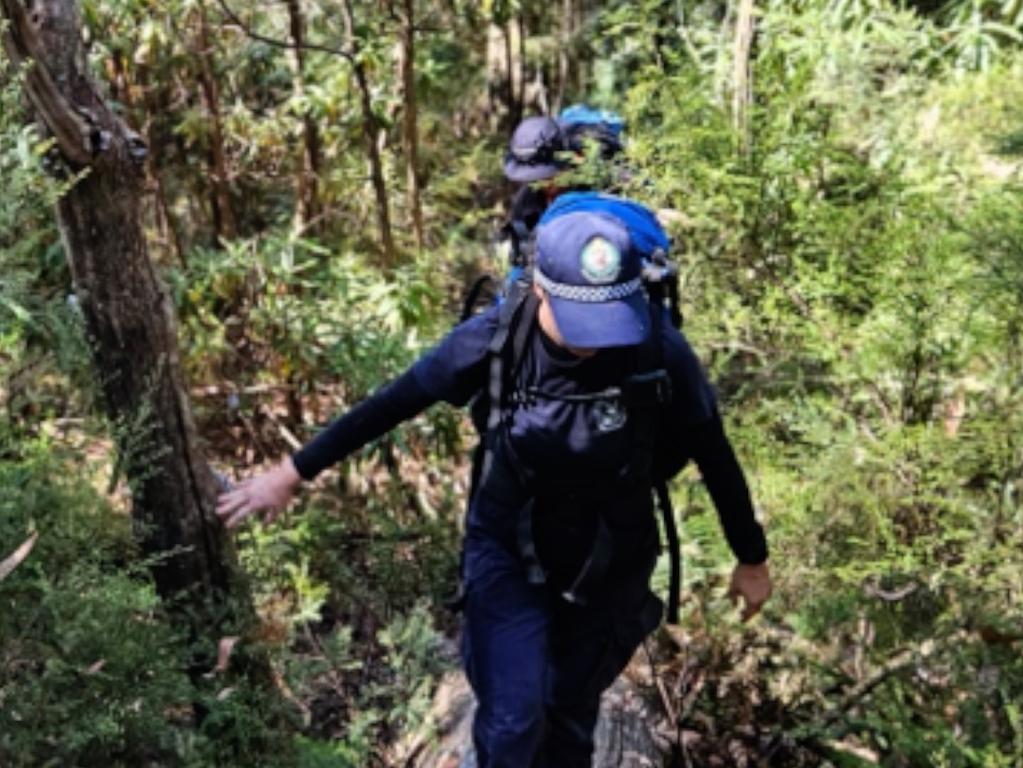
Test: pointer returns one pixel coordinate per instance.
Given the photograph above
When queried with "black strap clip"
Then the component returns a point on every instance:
(648, 390)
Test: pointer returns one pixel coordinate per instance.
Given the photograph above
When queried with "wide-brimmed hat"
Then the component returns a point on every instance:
(592, 275)
(536, 150)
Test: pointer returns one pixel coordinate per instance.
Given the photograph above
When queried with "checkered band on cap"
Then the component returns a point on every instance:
(591, 294)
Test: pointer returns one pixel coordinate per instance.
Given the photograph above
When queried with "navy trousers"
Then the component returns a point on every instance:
(538, 664)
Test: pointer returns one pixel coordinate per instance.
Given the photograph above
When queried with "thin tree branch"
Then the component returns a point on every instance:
(249, 32)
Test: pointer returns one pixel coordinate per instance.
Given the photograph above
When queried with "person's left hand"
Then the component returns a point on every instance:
(753, 584)
(268, 493)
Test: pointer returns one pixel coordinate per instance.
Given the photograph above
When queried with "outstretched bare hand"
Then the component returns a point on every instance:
(753, 584)
(268, 493)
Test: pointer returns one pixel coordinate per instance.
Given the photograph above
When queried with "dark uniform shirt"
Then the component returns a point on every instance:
(575, 449)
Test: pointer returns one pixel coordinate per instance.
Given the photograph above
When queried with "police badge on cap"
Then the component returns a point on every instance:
(600, 261)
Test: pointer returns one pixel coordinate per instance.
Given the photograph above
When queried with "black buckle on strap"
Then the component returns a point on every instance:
(648, 390)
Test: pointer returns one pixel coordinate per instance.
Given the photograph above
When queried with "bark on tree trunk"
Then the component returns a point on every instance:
(308, 211)
(495, 72)
(127, 312)
(370, 129)
(579, 73)
(410, 129)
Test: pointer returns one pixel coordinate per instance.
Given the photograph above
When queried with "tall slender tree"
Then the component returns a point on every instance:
(371, 127)
(224, 223)
(410, 128)
(308, 214)
(742, 79)
(370, 131)
(566, 37)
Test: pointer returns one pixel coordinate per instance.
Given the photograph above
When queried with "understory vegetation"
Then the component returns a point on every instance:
(847, 217)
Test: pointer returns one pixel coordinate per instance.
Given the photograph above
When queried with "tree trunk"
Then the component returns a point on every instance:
(742, 80)
(410, 130)
(495, 72)
(520, 96)
(370, 129)
(223, 213)
(567, 35)
(579, 72)
(127, 312)
(308, 210)
(514, 111)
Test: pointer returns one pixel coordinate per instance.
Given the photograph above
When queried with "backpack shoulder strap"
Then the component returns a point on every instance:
(652, 372)
(514, 322)
(507, 349)
(472, 297)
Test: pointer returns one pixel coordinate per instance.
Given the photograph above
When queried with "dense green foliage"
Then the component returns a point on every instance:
(853, 277)
(852, 258)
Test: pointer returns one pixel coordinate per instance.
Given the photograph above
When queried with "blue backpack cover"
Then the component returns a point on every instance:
(582, 115)
(646, 232)
(580, 122)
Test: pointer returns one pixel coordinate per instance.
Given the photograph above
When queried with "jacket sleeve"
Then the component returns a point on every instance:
(727, 486)
(452, 371)
(375, 416)
(694, 430)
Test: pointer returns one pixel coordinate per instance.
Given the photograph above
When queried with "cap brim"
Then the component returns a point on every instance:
(622, 323)
(516, 171)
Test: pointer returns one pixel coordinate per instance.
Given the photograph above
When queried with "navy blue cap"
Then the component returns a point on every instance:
(592, 276)
(533, 150)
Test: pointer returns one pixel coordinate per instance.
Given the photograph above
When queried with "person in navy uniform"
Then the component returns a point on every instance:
(539, 150)
(550, 617)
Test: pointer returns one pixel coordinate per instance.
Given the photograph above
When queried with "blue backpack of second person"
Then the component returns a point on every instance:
(645, 230)
(580, 122)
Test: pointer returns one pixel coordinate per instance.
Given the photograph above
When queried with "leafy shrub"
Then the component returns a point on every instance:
(94, 672)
